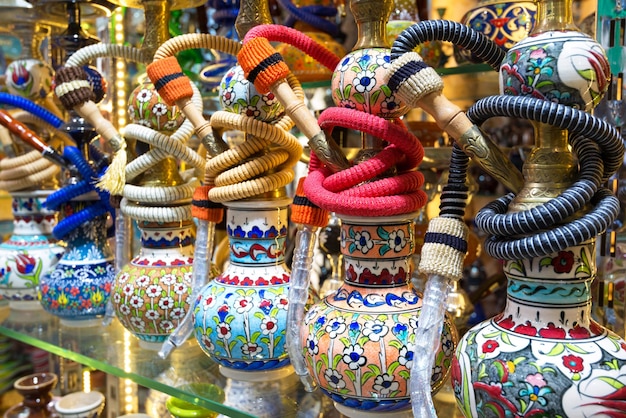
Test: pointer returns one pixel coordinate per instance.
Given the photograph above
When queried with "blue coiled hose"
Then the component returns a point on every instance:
(313, 15)
(72, 191)
(25, 104)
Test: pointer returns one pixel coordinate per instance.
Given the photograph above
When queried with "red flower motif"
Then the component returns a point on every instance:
(44, 289)
(552, 331)
(490, 346)
(579, 332)
(25, 263)
(351, 274)
(74, 291)
(526, 329)
(261, 282)
(455, 372)
(247, 281)
(573, 363)
(563, 262)
(506, 323)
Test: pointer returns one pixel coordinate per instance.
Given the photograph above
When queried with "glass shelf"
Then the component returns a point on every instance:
(113, 350)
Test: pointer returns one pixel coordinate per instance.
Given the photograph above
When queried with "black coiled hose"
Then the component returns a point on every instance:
(600, 152)
(450, 31)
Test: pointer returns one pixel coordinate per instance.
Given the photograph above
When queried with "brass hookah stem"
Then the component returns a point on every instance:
(157, 14)
(371, 18)
(252, 13)
(549, 169)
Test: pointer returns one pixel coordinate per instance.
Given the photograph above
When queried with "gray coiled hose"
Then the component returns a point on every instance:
(450, 31)
(600, 152)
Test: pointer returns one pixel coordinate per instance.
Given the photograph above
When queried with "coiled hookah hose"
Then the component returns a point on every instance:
(445, 243)
(36, 167)
(316, 15)
(231, 173)
(264, 67)
(86, 186)
(533, 233)
(75, 94)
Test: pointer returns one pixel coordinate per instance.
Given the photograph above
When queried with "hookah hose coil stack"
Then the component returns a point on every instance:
(35, 167)
(527, 233)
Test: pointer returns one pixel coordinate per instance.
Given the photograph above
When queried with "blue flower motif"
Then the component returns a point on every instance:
(400, 331)
(255, 232)
(272, 232)
(237, 232)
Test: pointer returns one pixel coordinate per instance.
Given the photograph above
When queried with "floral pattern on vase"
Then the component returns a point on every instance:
(504, 22)
(561, 66)
(79, 287)
(239, 96)
(544, 355)
(30, 252)
(358, 83)
(241, 316)
(358, 341)
(151, 293)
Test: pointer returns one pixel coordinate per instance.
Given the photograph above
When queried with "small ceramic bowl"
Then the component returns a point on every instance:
(80, 405)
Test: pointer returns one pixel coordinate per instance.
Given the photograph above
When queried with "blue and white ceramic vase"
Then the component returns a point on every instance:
(358, 341)
(241, 316)
(151, 293)
(78, 288)
(30, 252)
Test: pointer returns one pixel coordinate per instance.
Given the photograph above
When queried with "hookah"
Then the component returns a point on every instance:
(31, 251)
(538, 236)
(249, 179)
(156, 282)
(267, 71)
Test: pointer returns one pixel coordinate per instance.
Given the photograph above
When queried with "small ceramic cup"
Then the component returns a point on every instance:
(80, 405)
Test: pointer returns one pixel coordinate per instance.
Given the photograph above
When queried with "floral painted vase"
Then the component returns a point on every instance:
(544, 355)
(567, 67)
(151, 293)
(29, 78)
(30, 252)
(358, 342)
(241, 316)
(357, 83)
(239, 96)
(78, 288)
(504, 22)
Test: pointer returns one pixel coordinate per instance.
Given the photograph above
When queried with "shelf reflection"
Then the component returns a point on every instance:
(102, 347)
